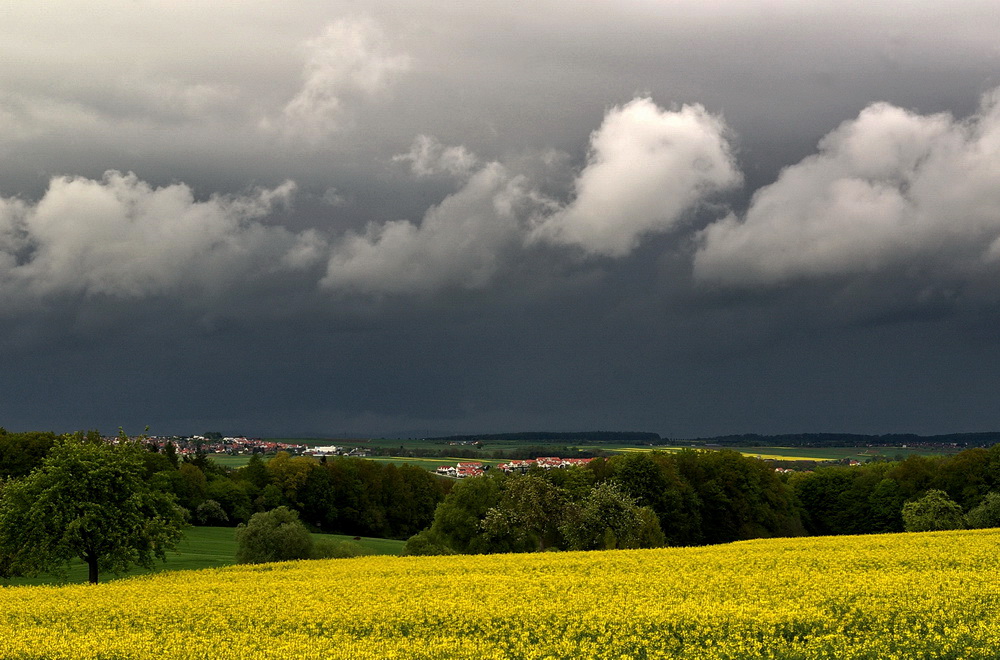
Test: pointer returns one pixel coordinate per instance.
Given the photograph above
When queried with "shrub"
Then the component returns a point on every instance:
(426, 543)
(934, 511)
(210, 512)
(276, 535)
(330, 549)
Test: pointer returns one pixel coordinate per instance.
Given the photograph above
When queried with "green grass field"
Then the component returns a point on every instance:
(202, 547)
(232, 461)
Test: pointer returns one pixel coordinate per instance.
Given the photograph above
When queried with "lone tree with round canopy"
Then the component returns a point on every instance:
(88, 500)
(934, 511)
(276, 535)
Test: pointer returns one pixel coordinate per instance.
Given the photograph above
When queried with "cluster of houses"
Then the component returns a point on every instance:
(231, 445)
(462, 470)
(475, 469)
(334, 450)
(808, 464)
(546, 462)
(185, 445)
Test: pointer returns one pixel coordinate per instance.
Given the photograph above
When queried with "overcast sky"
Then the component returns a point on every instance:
(692, 217)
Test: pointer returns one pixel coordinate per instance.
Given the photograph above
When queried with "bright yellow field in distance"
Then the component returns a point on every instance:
(931, 595)
(746, 452)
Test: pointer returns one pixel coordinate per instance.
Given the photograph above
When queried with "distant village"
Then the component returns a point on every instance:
(242, 445)
(188, 445)
(475, 469)
(237, 445)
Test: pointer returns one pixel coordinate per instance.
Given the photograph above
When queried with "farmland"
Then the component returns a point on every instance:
(431, 463)
(878, 596)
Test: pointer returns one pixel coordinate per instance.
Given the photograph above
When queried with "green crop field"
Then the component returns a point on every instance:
(202, 547)
(230, 460)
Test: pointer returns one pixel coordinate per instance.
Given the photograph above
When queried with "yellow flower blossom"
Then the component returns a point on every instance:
(933, 595)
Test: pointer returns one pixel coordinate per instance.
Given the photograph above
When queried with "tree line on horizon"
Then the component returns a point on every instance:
(555, 436)
(636, 499)
(697, 497)
(964, 440)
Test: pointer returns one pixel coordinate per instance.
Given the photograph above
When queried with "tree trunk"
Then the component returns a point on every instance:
(92, 568)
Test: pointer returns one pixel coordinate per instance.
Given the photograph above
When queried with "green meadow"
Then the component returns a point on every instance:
(202, 547)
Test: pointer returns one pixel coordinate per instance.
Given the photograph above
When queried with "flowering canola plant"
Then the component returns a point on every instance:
(930, 595)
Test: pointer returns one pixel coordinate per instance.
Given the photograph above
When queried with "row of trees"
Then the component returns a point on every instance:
(628, 501)
(336, 495)
(886, 441)
(115, 505)
(869, 498)
(703, 497)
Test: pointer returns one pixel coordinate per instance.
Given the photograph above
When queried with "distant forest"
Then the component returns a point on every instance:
(985, 439)
(610, 437)
(964, 440)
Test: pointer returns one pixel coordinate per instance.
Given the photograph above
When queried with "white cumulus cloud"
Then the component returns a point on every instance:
(120, 236)
(461, 242)
(891, 189)
(647, 167)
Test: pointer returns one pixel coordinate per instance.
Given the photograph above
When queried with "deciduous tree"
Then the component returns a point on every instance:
(458, 519)
(527, 517)
(87, 500)
(608, 518)
(935, 510)
(987, 514)
(276, 535)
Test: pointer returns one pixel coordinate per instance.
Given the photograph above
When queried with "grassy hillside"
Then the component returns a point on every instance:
(932, 595)
(202, 547)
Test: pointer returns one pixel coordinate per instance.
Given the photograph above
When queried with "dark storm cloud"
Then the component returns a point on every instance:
(317, 218)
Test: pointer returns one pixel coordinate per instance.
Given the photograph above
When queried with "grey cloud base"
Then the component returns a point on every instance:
(684, 217)
(885, 190)
(647, 168)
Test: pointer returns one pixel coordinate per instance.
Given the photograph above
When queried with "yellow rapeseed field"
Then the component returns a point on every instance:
(933, 595)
